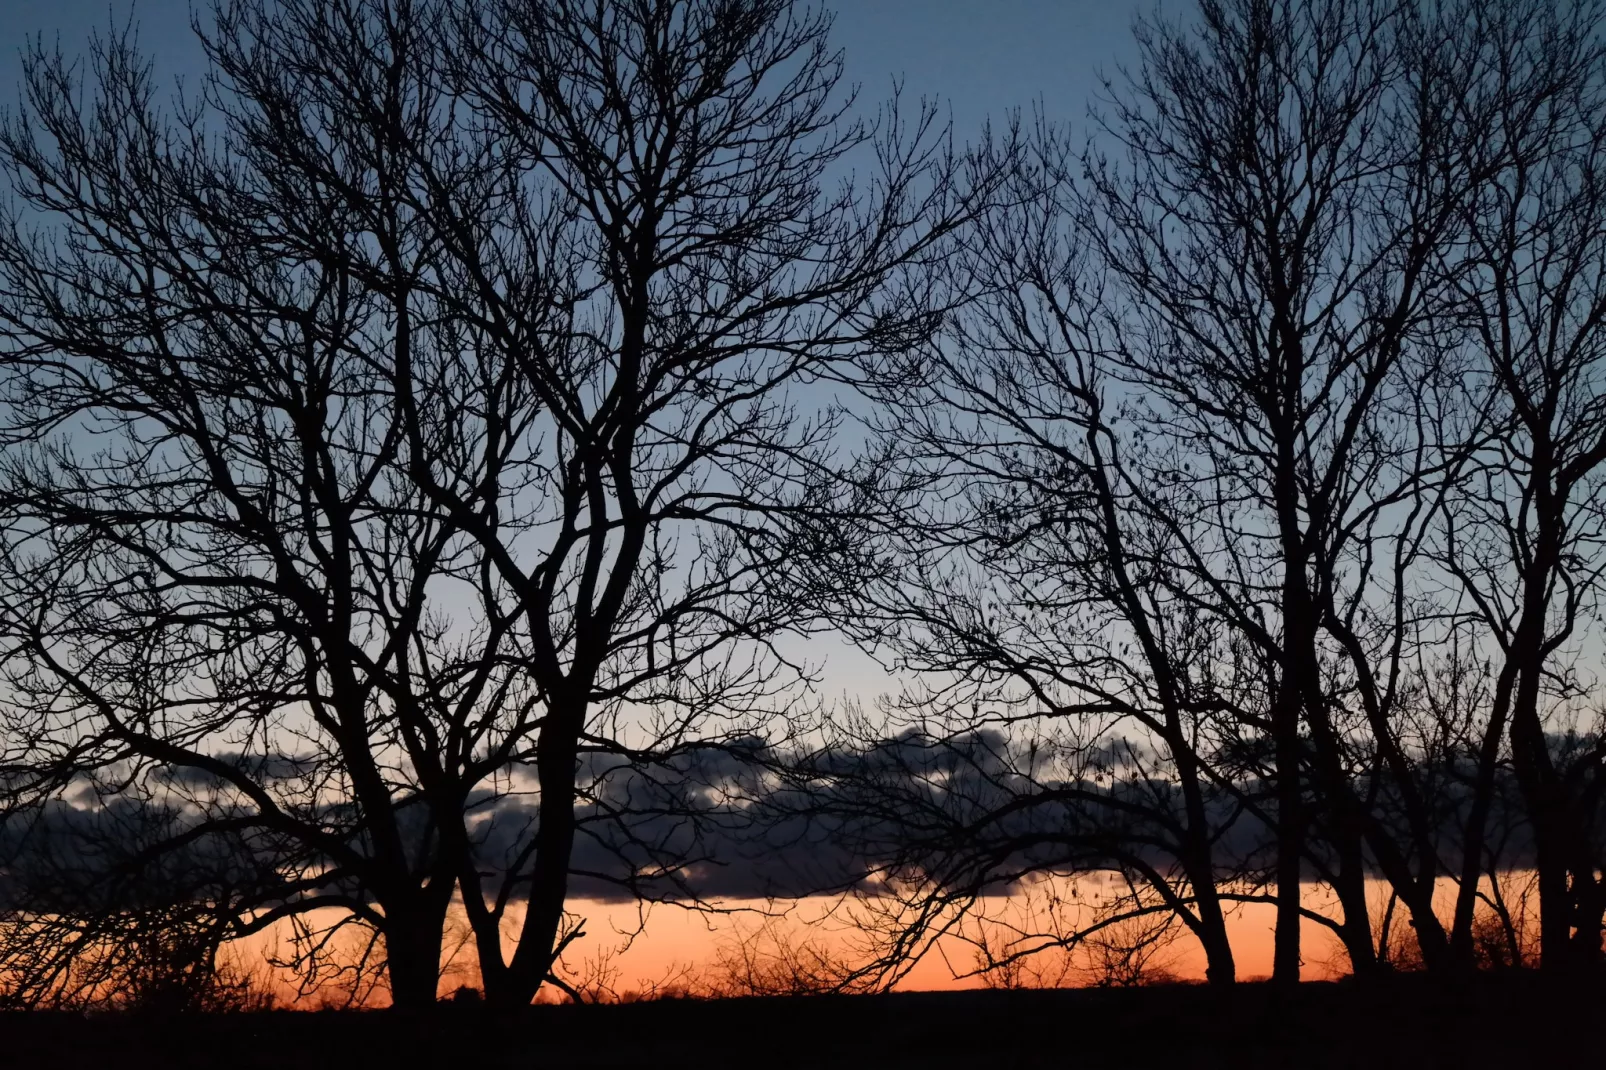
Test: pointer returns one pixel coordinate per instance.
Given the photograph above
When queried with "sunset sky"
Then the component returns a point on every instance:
(979, 59)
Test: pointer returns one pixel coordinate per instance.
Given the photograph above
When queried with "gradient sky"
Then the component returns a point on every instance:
(978, 58)
(982, 57)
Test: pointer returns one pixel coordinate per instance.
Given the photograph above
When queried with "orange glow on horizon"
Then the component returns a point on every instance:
(668, 947)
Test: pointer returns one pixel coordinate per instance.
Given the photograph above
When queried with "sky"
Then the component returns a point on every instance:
(978, 59)
(982, 57)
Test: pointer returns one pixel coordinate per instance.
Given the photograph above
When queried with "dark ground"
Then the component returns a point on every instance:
(1513, 1023)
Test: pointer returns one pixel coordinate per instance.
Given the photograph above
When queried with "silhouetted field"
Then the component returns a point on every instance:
(1508, 1022)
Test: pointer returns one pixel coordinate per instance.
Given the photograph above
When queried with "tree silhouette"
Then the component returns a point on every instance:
(1161, 515)
(1522, 531)
(422, 442)
(402, 438)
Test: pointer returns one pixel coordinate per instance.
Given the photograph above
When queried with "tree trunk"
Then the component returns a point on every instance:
(1536, 779)
(516, 983)
(1294, 692)
(1356, 927)
(1290, 837)
(1462, 951)
(1220, 967)
(1589, 895)
(1221, 970)
(413, 957)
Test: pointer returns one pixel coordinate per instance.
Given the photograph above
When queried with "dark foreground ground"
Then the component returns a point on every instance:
(1509, 1023)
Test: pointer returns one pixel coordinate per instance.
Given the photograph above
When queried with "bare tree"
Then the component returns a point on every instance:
(1523, 532)
(682, 150)
(1008, 564)
(213, 573)
(1151, 507)
(403, 438)
(1289, 173)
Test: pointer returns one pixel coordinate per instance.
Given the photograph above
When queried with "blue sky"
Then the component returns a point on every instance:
(987, 56)
(981, 57)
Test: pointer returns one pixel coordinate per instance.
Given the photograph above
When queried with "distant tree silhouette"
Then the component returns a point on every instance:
(774, 959)
(1113, 945)
(99, 909)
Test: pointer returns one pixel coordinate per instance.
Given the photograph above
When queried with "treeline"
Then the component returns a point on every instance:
(425, 440)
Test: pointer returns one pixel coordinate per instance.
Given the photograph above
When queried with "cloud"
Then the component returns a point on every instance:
(738, 820)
